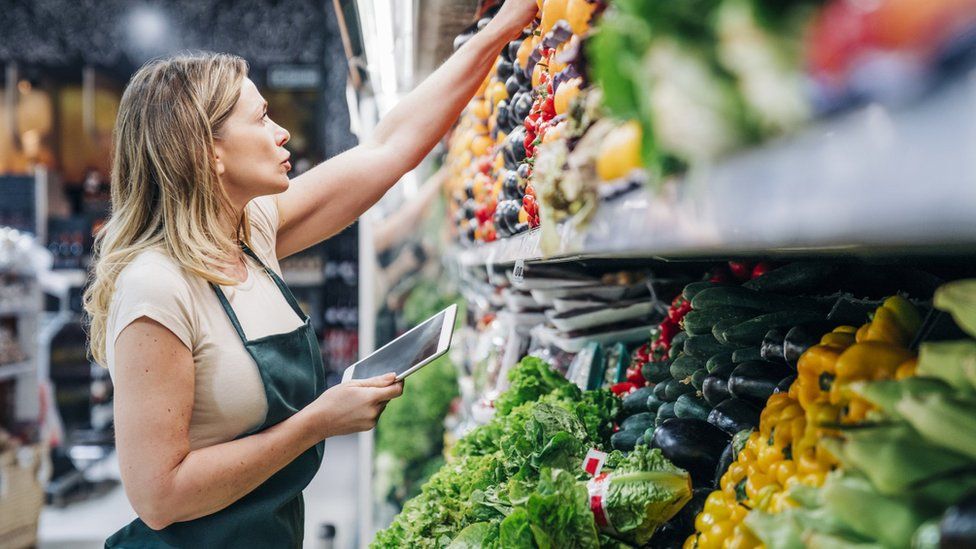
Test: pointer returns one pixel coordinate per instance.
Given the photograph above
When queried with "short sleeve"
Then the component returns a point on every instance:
(264, 227)
(156, 290)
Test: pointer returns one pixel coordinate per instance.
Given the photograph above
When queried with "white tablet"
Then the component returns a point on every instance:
(410, 352)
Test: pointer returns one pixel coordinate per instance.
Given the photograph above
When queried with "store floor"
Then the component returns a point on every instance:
(331, 498)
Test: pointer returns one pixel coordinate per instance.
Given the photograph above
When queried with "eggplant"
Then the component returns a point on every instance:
(510, 185)
(673, 533)
(523, 173)
(514, 149)
(668, 536)
(692, 444)
(505, 71)
(734, 415)
(524, 78)
(512, 85)
(772, 346)
(784, 386)
(715, 388)
(523, 106)
(801, 338)
(510, 52)
(755, 381)
(502, 119)
(957, 530)
(728, 456)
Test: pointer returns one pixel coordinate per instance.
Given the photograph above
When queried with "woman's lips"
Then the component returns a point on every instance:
(287, 165)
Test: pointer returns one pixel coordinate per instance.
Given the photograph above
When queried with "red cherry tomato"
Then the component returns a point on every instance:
(741, 270)
(760, 269)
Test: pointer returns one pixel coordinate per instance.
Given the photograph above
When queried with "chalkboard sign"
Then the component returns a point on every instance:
(18, 203)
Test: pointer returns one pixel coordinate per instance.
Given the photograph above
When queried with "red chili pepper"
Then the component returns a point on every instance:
(623, 388)
(741, 270)
(761, 268)
(635, 376)
(669, 330)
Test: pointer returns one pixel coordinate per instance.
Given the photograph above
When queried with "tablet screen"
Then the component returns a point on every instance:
(403, 353)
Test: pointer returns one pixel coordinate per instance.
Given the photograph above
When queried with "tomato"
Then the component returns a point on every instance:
(741, 270)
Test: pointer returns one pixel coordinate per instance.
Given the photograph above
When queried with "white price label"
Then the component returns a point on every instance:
(518, 272)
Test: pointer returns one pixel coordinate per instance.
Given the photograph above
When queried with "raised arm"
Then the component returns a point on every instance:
(329, 197)
(165, 481)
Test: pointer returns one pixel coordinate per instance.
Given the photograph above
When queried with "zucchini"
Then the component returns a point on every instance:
(653, 403)
(772, 346)
(704, 346)
(800, 338)
(718, 330)
(785, 384)
(794, 278)
(751, 332)
(684, 366)
(677, 388)
(850, 310)
(665, 413)
(745, 355)
(715, 388)
(691, 290)
(698, 379)
(655, 372)
(690, 406)
(734, 415)
(717, 360)
(701, 322)
(737, 296)
(692, 444)
(755, 381)
(636, 402)
(638, 422)
(625, 440)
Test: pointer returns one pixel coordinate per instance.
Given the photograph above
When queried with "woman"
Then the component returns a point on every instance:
(220, 413)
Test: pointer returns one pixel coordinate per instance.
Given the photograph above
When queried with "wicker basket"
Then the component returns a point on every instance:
(21, 496)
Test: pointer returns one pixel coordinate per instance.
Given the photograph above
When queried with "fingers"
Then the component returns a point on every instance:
(391, 392)
(384, 380)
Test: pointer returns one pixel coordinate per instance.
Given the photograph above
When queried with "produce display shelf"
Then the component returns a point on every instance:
(15, 369)
(17, 311)
(874, 180)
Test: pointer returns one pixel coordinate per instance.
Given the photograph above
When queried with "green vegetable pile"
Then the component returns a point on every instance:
(911, 462)
(517, 481)
(410, 433)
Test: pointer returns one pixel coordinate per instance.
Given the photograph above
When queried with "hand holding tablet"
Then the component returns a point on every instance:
(409, 352)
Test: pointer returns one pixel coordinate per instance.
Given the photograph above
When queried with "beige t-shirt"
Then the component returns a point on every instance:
(229, 397)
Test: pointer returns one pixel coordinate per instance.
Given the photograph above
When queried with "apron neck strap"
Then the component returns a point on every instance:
(285, 292)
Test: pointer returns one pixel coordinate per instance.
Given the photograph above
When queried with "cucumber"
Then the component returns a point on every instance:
(698, 379)
(691, 290)
(718, 330)
(638, 422)
(677, 388)
(751, 332)
(625, 440)
(744, 355)
(684, 366)
(690, 406)
(704, 346)
(665, 413)
(636, 402)
(799, 277)
(717, 360)
(655, 372)
(674, 350)
(737, 296)
(653, 403)
(679, 339)
(659, 390)
(701, 322)
(756, 381)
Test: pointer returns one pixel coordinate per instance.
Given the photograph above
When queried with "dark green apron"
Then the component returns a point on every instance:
(273, 515)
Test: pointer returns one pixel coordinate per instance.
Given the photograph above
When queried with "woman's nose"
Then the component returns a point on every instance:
(282, 136)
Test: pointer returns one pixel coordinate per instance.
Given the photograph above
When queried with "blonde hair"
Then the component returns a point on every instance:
(165, 191)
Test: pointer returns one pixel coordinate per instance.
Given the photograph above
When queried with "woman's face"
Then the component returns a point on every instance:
(251, 158)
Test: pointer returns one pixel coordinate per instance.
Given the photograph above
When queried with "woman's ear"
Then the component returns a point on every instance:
(220, 165)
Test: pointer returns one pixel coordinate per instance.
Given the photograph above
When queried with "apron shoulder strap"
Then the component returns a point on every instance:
(289, 297)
